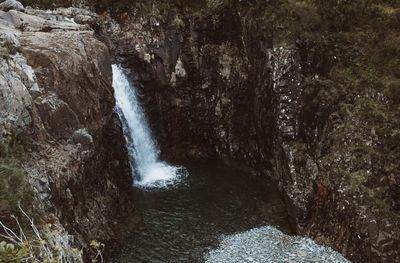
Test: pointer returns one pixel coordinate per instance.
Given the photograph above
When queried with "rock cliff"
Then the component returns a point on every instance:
(56, 94)
(226, 82)
(304, 92)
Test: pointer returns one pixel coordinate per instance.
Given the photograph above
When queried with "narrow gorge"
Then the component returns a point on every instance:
(199, 131)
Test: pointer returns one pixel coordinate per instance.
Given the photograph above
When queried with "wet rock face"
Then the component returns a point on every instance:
(187, 84)
(56, 89)
(217, 91)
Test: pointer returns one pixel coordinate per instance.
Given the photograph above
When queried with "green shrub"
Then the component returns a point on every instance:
(215, 4)
(37, 243)
(178, 23)
(96, 250)
(14, 187)
(10, 253)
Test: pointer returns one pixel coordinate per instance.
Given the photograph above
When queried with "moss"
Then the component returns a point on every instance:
(4, 53)
(215, 5)
(14, 187)
(178, 23)
(357, 180)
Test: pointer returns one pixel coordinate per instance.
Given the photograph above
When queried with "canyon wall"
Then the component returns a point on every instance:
(225, 85)
(57, 98)
(305, 93)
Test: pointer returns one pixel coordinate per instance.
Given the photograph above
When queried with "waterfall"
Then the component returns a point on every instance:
(142, 148)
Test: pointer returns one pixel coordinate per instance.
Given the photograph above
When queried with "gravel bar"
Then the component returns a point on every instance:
(268, 244)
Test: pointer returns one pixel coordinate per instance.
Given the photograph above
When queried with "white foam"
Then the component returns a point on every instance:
(142, 148)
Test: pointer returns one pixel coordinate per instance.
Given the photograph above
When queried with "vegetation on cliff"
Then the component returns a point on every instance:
(352, 77)
(353, 84)
(350, 61)
(349, 117)
(14, 187)
(29, 242)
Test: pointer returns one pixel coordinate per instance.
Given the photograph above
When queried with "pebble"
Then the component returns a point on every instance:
(268, 244)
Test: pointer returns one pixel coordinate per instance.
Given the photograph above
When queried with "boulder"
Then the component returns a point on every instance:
(30, 23)
(11, 5)
(16, 80)
(70, 15)
(82, 137)
(85, 19)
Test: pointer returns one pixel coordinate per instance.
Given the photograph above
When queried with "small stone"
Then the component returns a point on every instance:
(315, 259)
(267, 244)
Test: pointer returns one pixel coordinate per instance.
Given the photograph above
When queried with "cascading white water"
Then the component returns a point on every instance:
(142, 149)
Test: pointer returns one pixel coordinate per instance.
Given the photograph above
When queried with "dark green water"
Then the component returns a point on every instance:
(180, 224)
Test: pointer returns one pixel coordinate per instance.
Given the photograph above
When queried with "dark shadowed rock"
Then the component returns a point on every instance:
(229, 90)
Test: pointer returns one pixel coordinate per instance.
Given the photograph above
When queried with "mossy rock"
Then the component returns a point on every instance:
(14, 187)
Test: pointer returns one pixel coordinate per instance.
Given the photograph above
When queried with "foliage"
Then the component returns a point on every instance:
(31, 242)
(352, 47)
(14, 187)
(97, 249)
(178, 23)
(46, 244)
(215, 4)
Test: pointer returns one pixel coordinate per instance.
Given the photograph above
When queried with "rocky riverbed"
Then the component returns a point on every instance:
(267, 244)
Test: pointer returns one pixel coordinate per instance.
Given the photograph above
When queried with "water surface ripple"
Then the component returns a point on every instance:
(182, 223)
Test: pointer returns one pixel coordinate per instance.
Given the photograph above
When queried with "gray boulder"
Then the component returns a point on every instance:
(12, 5)
(82, 137)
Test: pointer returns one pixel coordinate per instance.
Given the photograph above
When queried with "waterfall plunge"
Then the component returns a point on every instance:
(142, 149)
